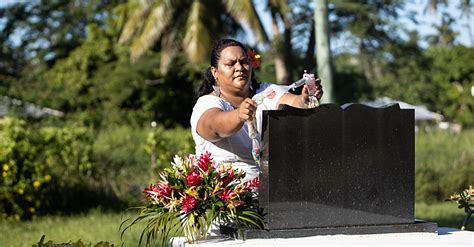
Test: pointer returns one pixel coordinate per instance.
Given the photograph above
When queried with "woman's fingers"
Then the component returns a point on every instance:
(247, 109)
(318, 92)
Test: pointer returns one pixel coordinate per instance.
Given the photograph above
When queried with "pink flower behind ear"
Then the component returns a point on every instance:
(254, 57)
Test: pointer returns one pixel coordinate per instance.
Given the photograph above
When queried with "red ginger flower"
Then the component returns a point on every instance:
(226, 195)
(254, 58)
(189, 203)
(253, 184)
(204, 161)
(193, 179)
(228, 178)
(159, 190)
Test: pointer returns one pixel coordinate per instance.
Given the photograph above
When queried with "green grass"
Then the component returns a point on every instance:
(444, 164)
(92, 227)
(446, 214)
(443, 150)
(97, 226)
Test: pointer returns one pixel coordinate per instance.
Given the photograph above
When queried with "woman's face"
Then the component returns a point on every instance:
(233, 71)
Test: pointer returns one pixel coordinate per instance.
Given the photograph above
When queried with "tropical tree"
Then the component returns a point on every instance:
(466, 6)
(281, 41)
(189, 26)
(446, 35)
(371, 27)
(323, 48)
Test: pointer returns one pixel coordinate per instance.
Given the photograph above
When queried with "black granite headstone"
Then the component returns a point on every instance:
(338, 170)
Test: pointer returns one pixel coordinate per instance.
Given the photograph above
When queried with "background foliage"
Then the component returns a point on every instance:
(66, 55)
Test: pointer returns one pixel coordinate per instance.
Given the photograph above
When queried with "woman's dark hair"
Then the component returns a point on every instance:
(217, 47)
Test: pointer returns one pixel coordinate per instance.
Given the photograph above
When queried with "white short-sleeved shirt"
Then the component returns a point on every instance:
(236, 148)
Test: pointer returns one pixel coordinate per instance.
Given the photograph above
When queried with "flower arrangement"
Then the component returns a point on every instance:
(464, 200)
(192, 195)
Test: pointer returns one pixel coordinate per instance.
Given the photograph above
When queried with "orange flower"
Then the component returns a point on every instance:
(255, 58)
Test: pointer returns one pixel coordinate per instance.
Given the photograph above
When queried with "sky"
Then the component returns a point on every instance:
(424, 27)
(426, 20)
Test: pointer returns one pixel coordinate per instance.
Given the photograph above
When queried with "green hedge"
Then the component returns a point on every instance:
(70, 168)
(35, 161)
(444, 164)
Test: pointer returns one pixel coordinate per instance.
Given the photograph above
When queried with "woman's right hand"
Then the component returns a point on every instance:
(247, 110)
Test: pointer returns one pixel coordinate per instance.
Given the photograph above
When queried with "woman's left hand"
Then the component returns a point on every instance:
(318, 93)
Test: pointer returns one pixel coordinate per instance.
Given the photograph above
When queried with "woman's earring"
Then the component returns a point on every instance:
(217, 90)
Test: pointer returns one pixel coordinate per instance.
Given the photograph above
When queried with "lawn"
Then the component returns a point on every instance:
(445, 214)
(97, 226)
(92, 227)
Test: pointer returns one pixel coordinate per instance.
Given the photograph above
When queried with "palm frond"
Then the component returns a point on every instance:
(170, 44)
(136, 14)
(160, 226)
(197, 39)
(244, 11)
(158, 19)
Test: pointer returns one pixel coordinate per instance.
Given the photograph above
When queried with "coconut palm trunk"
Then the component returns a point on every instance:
(281, 42)
(323, 51)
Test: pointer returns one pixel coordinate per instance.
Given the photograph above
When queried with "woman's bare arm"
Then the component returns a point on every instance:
(299, 101)
(215, 124)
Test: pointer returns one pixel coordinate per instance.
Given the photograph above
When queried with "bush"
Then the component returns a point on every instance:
(47, 169)
(78, 243)
(444, 164)
(122, 157)
(36, 160)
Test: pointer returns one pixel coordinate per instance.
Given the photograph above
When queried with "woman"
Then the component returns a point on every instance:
(225, 104)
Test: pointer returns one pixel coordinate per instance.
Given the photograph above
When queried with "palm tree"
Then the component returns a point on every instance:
(446, 34)
(183, 25)
(281, 42)
(466, 6)
(323, 53)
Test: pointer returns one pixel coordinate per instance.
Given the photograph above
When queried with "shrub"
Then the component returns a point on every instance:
(444, 163)
(122, 157)
(35, 159)
(78, 243)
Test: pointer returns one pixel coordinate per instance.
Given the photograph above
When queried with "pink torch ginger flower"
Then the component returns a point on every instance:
(160, 190)
(227, 178)
(253, 184)
(193, 179)
(226, 195)
(204, 161)
(189, 203)
(214, 164)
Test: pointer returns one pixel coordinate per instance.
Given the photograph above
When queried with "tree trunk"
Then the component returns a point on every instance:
(323, 50)
(309, 60)
(280, 45)
(287, 49)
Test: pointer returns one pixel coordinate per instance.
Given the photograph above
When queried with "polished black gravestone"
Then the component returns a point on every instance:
(338, 170)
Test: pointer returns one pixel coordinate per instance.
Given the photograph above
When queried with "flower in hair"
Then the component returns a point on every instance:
(255, 58)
